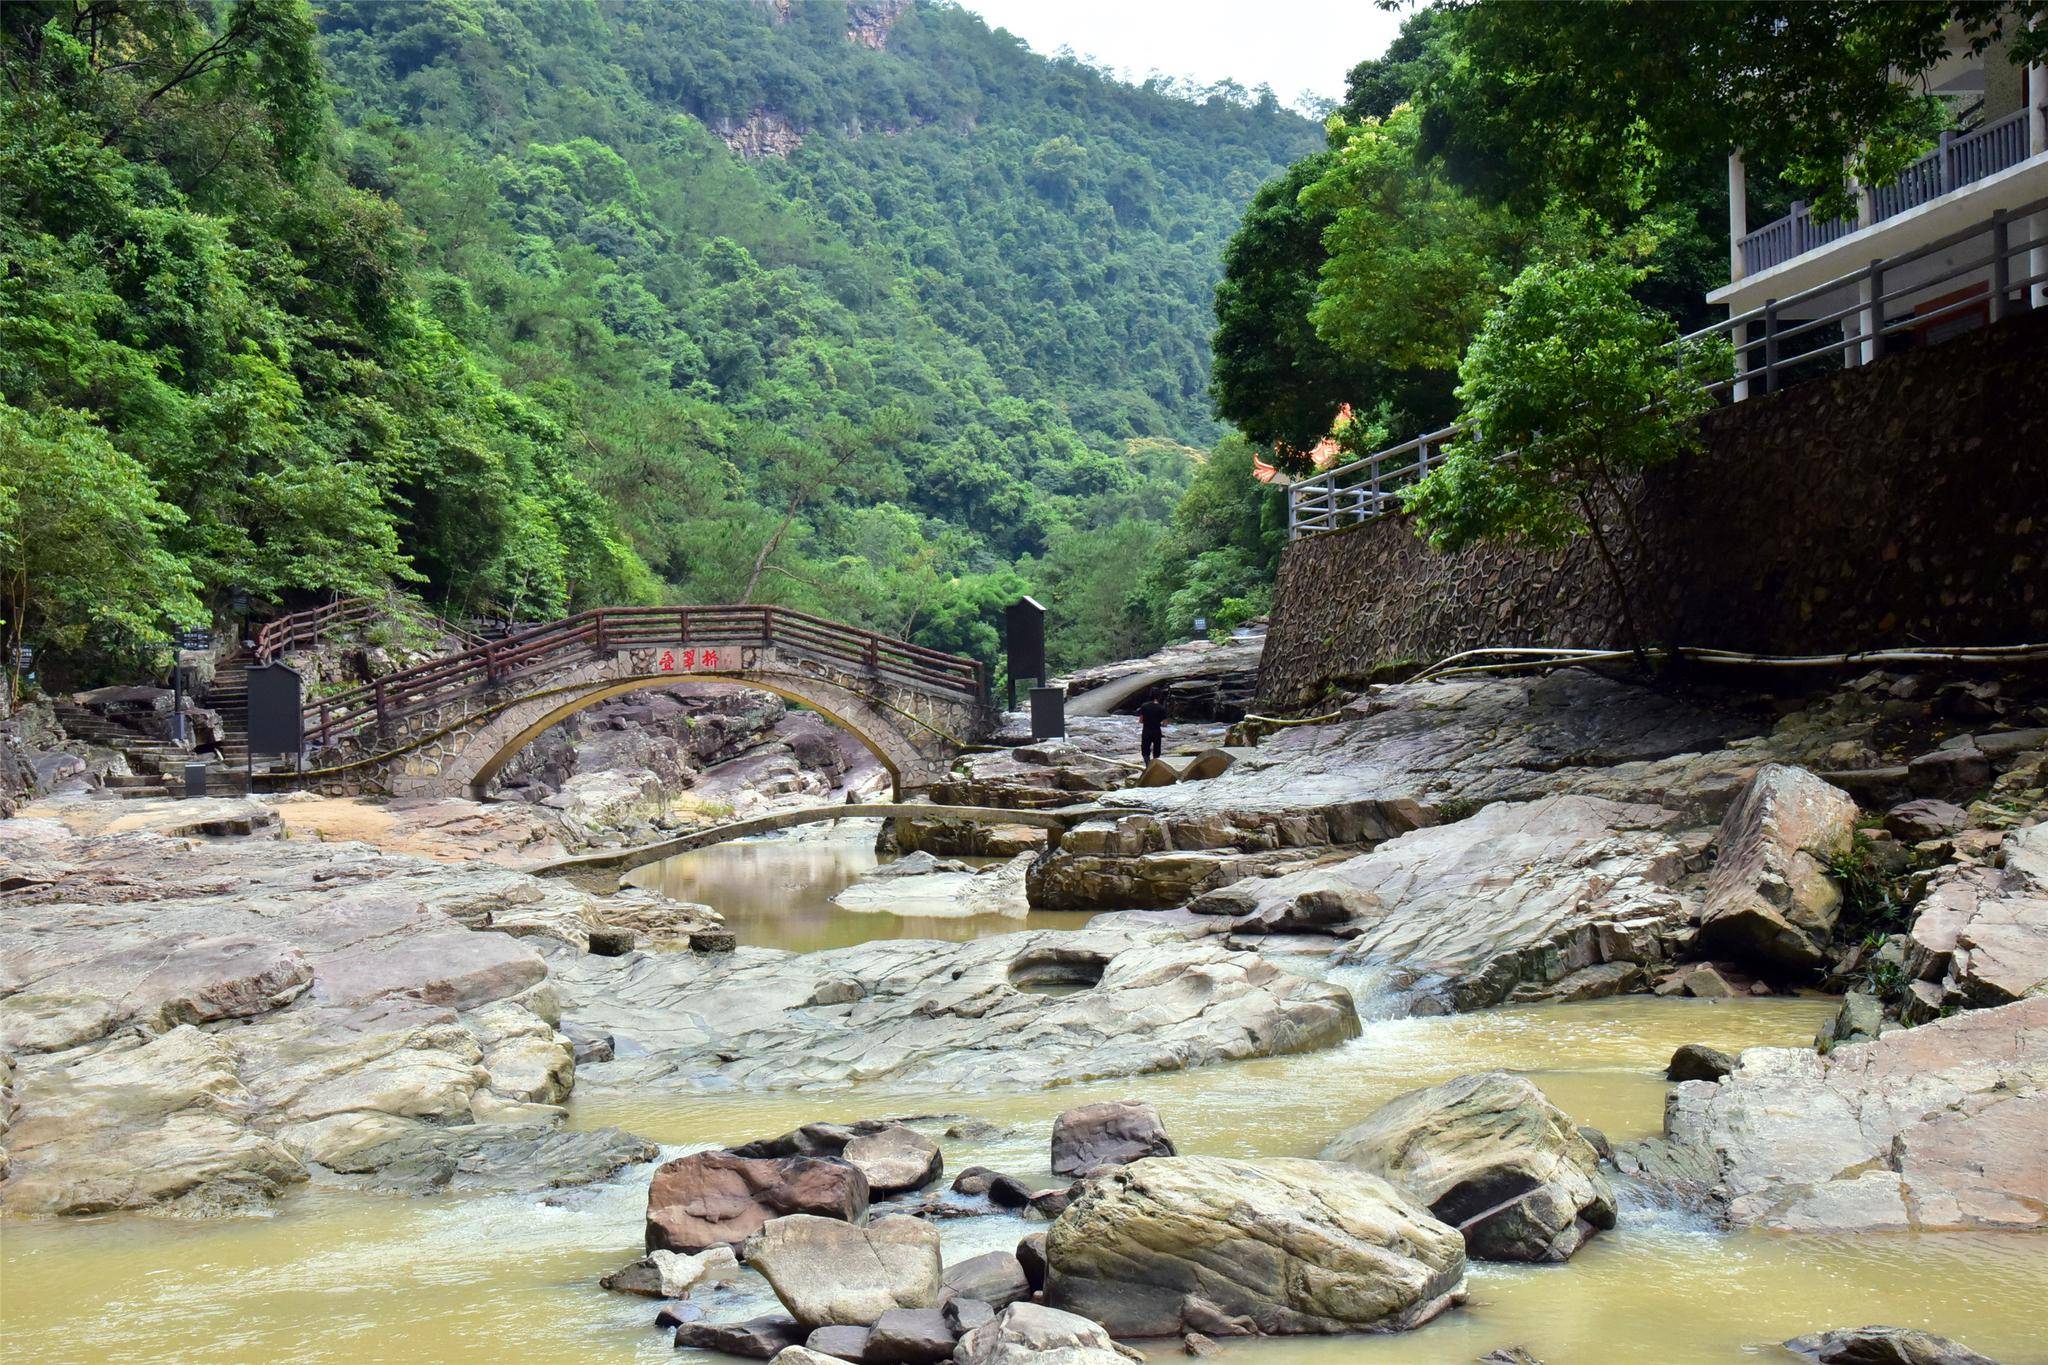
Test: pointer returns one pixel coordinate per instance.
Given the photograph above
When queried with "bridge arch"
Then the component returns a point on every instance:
(498, 741)
(446, 727)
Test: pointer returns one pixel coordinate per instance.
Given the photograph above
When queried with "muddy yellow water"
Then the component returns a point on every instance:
(344, 1277)
(777, 893)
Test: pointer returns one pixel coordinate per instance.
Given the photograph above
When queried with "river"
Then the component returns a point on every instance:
(339, 1276)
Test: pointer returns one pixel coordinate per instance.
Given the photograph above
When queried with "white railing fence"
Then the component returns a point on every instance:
(1960, 159)
(1771, 350)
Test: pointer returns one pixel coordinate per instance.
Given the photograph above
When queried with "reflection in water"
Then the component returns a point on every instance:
(777, 892)
(346, 1277)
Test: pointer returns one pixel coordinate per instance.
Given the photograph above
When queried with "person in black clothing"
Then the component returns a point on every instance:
(1151, 723)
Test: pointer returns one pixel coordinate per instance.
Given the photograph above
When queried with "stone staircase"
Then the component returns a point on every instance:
(157, 766)
(228, 697)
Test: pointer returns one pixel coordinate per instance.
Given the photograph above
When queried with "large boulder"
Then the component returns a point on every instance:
(1112, 1133)
(1770, 900)
(910, 1336)
(1175, 1244)
(1935, 1128)
(995, 1278)
(1032, 1334)
(830, 1273)
(755, 1339)
(894, 1158)
(717, 1198)
(1494, 1158)
(1884, 1346)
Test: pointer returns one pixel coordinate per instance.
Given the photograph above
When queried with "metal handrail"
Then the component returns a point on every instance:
(1365, 489)
(375, 706)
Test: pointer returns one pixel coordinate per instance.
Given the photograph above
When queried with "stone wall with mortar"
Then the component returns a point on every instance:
(1902, 503)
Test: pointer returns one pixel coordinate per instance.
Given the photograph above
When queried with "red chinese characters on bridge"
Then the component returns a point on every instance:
(690, 659)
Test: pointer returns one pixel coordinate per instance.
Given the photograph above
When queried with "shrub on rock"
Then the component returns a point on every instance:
(1493, 1157)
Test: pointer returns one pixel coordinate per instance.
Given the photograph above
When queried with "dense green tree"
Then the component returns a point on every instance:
(83, 563)
(475, 297)
(1601, 98)
(1570, 391)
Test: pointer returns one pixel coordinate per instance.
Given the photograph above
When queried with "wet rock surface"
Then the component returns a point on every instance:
(1176, 1244)
(1506, 905)
(1490, 1155)
(210, 1021)
(945, 1013)
(1883, 1346)
(919, 884)
(1929, 1128)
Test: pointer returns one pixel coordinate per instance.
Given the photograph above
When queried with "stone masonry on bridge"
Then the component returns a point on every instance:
(458, 743)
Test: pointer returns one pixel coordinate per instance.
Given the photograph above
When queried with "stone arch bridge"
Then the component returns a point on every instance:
(448, 726)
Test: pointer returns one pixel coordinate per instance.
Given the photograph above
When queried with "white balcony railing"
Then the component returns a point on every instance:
(1961, 159)
(1771, 350)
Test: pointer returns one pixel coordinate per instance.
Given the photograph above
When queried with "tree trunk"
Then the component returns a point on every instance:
(767, 549)
(1614, 574)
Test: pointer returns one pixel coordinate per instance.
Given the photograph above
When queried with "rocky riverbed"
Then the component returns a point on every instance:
(217, 1007)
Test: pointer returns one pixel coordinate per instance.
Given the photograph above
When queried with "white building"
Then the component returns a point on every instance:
(1994, 163)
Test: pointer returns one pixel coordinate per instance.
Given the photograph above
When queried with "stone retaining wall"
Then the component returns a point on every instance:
(1902, 503)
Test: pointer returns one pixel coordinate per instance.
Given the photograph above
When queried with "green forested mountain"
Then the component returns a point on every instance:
(526, 304)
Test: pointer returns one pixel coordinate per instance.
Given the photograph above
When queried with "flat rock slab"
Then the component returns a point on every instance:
(926, 1012)
(1935, 1128)
(383, 1028)
(834, 1274)
(1982, 932)
(1504, 905)
(1423, 747)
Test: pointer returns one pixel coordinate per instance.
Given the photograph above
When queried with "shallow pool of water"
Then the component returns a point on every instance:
(777, 892)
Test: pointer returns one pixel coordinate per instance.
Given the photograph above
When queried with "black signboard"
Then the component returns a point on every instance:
(1024, 638)
(200, 640)
(276, 710)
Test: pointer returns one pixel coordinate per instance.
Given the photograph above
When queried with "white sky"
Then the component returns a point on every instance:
(1291, 45)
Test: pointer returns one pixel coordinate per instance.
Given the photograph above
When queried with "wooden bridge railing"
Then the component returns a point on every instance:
(717, 630)
(304, 629)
